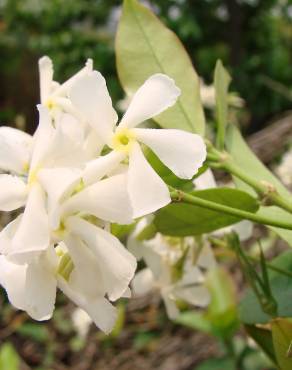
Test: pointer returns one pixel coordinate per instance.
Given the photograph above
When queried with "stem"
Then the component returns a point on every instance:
(229, 346)
(178, 195)
(266, 190)
(222, 244)
(272, 267)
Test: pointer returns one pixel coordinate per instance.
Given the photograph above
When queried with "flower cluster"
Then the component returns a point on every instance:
(78, 173)
(176, 267)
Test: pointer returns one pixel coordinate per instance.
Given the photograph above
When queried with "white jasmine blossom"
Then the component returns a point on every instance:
(54, 95)
(175, 267)
(81, 322)
(181, 151)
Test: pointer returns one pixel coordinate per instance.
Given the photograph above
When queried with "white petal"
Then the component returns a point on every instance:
(98, 168)
(206, 258)
(92, 144)
(63, 151)
(31, 288)
(13, 192)
(195, 295)
(107, 199)
(46, 77)
(158, 93)
(181, 151)
(12, 278)
(147, 191)
(90, 96)
(170, 305)
(41, 137)
(205, 181)
(72, 127)
(81, 322)
(66, 86)
(86, 276)
(115, 262)
(7, 234)
(58, 182)
(40, 290)
(102, 313)
(32, 234)
(15, 150)
(143, 282)
(155, 262)
(244, 229)
(127, 293)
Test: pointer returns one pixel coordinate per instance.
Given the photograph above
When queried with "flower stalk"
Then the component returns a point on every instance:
(179, 196)
(267, 192)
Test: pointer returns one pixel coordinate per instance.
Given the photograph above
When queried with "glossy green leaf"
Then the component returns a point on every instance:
(282, 339)
(247, 160)
(9, 359)
(144, 46)
(281, 286)
(221, 82)
(263, 337)
(182, 219)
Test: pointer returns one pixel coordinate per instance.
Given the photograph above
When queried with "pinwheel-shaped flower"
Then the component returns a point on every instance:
(174, 266)
(88, 265)
(181, 151)
(25, 159)
(53, 94)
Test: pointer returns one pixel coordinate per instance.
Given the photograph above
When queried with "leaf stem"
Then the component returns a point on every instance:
(178, 195)
(267, 191)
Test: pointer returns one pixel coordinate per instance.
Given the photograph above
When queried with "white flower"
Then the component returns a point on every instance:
(54, 95)
(164, 273)
(181, 151)
(208, 97)
(284, 170)
(28, 159)
(88, 264)
(81, 322)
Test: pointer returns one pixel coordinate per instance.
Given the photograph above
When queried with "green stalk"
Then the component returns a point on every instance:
(178, 195)
(267, 191)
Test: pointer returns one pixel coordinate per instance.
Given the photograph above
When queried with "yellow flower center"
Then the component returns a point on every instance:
(123, 140)
(50, 104)
(25, 167)
(66, 264)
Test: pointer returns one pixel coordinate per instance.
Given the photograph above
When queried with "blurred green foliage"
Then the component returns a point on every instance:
(252, 37)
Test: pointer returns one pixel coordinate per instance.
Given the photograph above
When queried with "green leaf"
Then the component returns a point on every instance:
(37, 332)
(221, 81)
(121, 231)
(263, 337)
(282, 339)
(182, 219)
(225, 363)
(281, 286)
(194, 320)
(9, 359)
(144, 46)
(222, 310)
(247, 160)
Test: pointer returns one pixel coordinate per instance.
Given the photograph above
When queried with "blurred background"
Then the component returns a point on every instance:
(253, 38)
